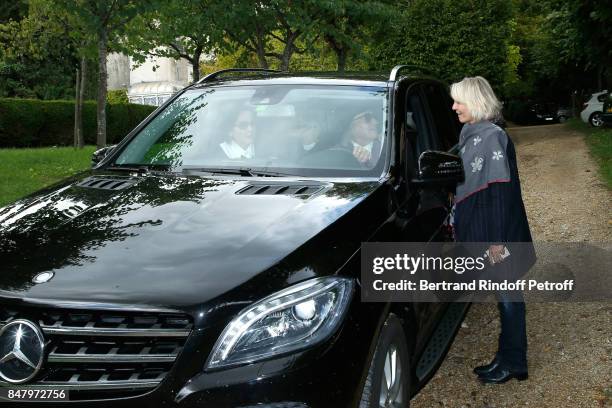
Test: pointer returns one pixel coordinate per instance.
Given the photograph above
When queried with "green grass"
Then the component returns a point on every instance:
(599, 141)
(23, 171)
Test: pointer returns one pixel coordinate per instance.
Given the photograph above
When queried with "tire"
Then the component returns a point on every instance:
(595, 119)
(391, 351)
(562, 119)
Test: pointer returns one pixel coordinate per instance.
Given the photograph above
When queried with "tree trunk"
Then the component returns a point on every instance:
(195, 64)
(102, 91)
(600, 72)
(288, 51)
(81, 99)
(340, 50)
(261, 49)
(341, 54)
(75, 142)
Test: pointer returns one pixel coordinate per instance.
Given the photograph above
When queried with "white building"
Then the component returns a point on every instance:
(151, 83)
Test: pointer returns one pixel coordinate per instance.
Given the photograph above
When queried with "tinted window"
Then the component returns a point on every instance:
(416, 120)
(444, 122)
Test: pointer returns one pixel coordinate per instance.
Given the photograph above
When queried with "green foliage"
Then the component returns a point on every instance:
(174, 29)
(29, 122)
(117, 96)
(452, 39)
(13, 10)
(599, 141)
(24, 171)
(37, 58)
(565, 46)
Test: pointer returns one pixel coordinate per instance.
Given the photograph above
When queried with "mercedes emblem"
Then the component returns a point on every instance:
(21, 351)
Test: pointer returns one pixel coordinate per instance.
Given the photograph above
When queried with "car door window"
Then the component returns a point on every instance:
(443, 122)
(416, 120)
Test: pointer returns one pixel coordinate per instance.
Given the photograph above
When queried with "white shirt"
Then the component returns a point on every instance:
(309, 147)
(234, 151)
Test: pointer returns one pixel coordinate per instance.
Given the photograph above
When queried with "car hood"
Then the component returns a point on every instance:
(160, 240)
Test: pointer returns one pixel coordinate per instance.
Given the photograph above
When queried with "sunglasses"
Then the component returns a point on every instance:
(244, 125)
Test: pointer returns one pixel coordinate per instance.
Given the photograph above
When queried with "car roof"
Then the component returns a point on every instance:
(299, 78)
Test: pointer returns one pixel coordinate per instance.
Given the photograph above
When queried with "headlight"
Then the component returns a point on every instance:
(294, 318)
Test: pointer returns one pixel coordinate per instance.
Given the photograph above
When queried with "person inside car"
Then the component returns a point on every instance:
(308, 132)
(241, 137)
(363, 138)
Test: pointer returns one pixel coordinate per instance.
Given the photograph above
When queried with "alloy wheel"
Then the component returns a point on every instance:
(596, 120)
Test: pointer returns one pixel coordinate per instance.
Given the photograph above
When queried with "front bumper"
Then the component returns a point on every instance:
(329, 375)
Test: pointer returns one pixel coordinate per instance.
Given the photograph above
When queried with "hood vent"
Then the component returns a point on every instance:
(102, 183)
(301, 190)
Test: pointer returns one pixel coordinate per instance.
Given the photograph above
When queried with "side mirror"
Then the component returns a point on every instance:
(439, 168)
(100, 154)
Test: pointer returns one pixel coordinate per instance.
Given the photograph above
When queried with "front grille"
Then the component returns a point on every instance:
(94, 352)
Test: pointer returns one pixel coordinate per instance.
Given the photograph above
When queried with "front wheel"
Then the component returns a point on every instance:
(562, 119)
(388, 381)
(595, 119)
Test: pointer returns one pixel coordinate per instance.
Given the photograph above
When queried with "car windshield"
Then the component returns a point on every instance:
(304, 130)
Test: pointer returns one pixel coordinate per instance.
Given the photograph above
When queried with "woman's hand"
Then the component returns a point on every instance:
(495, 253)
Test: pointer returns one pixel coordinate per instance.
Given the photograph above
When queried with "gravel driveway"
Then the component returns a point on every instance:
(570, 344)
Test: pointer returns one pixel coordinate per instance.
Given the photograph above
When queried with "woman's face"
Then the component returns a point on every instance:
(463, 113)
(243, 129)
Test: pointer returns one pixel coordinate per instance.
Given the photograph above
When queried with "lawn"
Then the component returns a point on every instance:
(600, 144)
(23, 171)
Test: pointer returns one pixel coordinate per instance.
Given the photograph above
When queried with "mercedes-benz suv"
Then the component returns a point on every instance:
(212, 257)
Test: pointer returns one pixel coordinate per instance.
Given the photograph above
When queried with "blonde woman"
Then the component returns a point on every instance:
(489, 210)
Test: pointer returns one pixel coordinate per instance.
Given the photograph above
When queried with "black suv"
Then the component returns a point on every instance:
(212, 258)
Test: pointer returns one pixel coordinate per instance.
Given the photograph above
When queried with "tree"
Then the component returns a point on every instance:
(37, 56)
(174, 29)
(255, 26)
(104, 22)
(591, 23)
(450, 39)
(344, 25)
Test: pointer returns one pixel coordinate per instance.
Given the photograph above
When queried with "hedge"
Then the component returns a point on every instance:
(36, 123)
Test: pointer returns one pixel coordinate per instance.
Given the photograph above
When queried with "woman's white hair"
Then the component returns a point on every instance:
(476, 93)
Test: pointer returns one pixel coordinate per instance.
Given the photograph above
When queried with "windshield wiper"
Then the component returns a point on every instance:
(241, 171)
(130, 169)
(138, 168)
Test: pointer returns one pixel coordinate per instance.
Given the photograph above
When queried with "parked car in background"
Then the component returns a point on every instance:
(536, 113)
(542, 113)
(606, 115)
(593, 109)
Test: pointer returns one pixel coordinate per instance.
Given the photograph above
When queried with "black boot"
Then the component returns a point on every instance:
(501, 374)
(486, 369)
